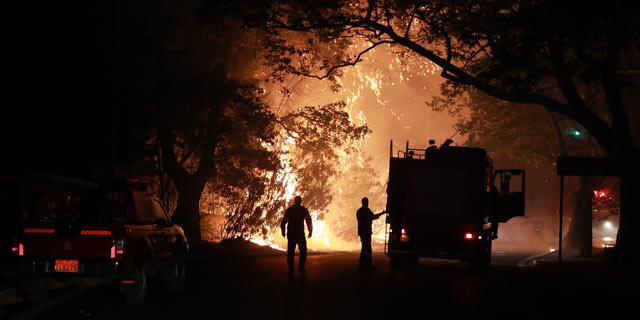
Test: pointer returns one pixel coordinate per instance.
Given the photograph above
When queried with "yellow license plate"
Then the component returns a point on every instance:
(66, 265)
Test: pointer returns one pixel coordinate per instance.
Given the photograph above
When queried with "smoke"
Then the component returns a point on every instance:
(529, 235)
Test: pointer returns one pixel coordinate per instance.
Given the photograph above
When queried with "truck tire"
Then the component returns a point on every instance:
(138, 293)
(481, 262)
(174, 275)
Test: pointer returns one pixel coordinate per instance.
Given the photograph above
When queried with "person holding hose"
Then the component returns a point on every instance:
(365, 219)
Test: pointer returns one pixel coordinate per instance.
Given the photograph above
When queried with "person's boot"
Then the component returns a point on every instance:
(303, 260)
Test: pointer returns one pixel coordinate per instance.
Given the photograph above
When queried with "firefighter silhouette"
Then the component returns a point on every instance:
(295, 216)
(365, 218)
(446, 144)
(432, 148)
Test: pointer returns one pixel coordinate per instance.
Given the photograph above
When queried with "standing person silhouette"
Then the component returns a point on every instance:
(295, 216)
(365, 218)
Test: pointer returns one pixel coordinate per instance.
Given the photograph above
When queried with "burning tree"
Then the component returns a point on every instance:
(541, 53)
(309, 143)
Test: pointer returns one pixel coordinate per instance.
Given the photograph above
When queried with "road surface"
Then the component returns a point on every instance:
(237, 286)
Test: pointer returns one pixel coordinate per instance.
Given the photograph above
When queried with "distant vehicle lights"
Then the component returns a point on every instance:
(599, 193)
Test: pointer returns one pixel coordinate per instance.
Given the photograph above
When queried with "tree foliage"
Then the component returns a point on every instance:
(510, 50)
(311, 140)
(528, 53)
(197, 84)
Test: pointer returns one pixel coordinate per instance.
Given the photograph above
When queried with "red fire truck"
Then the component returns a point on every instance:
(442, 202)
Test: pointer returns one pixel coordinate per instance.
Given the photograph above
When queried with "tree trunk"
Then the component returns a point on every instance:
(187, 213)
(578, 239)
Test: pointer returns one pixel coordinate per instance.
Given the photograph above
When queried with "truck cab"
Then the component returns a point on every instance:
(443, 203)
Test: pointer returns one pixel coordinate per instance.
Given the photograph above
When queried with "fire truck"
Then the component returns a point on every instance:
(446, 202)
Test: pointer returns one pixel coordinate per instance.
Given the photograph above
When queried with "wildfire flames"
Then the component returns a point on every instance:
(388, 94)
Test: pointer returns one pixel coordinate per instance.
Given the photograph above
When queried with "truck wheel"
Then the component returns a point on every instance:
(138, 293)
(174, 275)
(481, 262)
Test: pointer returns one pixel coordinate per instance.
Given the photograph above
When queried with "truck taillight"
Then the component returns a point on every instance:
(404, 237)
(119, 246)
(18, 249)
(471, 236)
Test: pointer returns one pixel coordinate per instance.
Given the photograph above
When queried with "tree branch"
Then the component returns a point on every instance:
(611, 83)
(596, 126)
(566, 85)
(345, 64)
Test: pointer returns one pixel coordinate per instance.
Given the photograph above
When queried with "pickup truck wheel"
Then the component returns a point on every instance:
(175, 274)
(138, 293)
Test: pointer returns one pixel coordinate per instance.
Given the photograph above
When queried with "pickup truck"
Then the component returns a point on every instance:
(77, 229)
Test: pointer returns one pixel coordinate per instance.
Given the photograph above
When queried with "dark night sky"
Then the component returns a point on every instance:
(62, 96)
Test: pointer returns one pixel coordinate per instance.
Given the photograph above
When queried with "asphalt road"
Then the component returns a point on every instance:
(256, 286)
